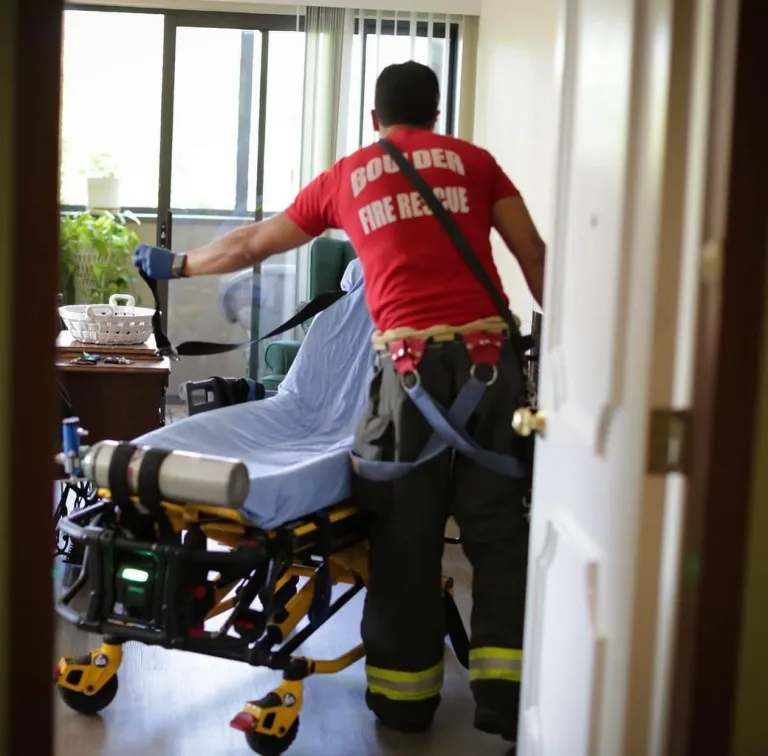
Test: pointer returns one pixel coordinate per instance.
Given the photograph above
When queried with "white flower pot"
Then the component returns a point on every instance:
(103, 194)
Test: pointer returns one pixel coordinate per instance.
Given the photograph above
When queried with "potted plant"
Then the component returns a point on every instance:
(103, 185)
(96, 256)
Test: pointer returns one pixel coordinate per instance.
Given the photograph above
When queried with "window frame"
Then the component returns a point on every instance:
(246, 23)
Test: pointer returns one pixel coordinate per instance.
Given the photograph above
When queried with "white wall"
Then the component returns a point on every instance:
(517, 113)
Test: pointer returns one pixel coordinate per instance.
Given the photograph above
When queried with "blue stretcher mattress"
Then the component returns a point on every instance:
(296, 444)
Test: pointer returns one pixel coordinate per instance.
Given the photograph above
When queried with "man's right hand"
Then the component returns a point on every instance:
(156, 262)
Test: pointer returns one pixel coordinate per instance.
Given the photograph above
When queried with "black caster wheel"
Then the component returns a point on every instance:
(90, 705)
(272, 745)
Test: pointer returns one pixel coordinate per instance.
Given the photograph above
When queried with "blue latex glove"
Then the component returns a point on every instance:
(154, 261)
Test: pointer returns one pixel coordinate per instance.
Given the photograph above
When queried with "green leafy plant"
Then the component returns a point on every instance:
(112, 242)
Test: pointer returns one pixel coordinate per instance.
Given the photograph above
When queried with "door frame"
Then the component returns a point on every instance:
(728, 353)
(732, 301)
(31, 434)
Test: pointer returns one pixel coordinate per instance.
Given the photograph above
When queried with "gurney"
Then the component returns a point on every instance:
(231, 533)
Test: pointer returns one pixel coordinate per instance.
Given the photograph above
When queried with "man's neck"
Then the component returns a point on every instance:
(385, 131)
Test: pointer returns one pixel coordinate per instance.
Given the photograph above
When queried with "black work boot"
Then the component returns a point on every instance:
(498, 706)
(408, 717)
(496, 723)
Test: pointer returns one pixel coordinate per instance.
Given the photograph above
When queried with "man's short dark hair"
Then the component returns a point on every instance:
(407, 94)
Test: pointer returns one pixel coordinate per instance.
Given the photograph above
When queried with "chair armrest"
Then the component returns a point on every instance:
(279, 355)
(216, 392)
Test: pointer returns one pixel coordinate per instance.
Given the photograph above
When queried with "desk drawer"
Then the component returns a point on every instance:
(116, 405)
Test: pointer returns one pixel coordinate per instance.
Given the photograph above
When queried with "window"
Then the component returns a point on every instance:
(384, 42)
(208, 85)
(112, 110)
(217, 101)
(285, 87)
(111, 99)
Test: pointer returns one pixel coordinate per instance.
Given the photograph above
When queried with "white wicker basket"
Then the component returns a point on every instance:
(109, 324)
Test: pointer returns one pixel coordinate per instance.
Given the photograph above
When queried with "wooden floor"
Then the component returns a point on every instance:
(179, 704)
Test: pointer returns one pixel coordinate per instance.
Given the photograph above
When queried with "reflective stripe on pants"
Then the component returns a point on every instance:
(405, 686)
(496, 664)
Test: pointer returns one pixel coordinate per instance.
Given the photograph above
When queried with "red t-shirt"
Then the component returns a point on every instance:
(414, 275)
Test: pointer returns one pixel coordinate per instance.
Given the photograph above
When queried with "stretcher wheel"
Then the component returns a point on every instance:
(90, 705)
(272, 745)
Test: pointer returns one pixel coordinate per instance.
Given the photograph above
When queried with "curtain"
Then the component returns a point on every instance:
(327, 36)
(325, 41)
(467, 65)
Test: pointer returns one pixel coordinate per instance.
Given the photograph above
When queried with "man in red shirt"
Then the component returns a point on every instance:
(427, 305)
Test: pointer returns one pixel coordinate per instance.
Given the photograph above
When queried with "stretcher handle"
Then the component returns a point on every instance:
(69, 525)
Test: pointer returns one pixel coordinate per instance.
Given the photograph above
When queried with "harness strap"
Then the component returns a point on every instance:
(454, 435)
(447, 433)
(406, 354)
(449, 427)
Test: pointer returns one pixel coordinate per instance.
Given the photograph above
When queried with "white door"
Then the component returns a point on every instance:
(616, 316)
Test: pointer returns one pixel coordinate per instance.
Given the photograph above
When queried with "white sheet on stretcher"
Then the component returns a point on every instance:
(296, 444)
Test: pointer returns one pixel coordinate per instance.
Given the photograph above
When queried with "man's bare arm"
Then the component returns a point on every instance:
(515, 226)
(246, 246)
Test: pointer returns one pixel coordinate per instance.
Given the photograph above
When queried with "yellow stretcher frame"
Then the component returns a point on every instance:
(89, 683)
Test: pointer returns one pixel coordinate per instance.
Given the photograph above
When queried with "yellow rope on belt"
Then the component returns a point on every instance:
(382, 339)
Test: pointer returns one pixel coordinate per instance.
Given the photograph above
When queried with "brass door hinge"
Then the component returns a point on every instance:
(669, 441)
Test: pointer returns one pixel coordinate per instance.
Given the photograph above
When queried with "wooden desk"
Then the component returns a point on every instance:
(114, 402)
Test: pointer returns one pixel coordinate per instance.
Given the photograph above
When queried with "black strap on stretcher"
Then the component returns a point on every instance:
(202, 348)
(148, 485)
(148, 490)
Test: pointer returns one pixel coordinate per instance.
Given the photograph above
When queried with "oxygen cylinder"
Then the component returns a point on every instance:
(182, 477)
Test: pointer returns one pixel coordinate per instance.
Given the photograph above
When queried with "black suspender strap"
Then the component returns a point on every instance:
(448, 223)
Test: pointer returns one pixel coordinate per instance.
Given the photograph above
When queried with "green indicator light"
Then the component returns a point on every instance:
(134, 575)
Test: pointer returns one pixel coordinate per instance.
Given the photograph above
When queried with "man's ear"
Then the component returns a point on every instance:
(375, 122)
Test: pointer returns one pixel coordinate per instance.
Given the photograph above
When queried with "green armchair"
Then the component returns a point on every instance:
(328, 259)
